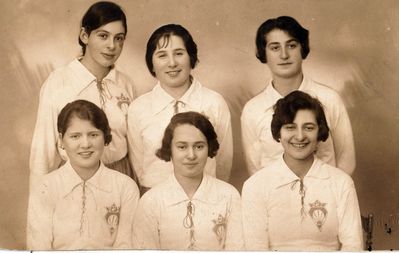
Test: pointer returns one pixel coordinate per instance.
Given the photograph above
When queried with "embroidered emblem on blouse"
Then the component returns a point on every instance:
(220, 227)
(123, 102)
(318, 212)
(189, 223)
(112, 217)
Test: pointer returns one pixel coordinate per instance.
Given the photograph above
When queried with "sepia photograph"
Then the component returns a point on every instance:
(199, 125)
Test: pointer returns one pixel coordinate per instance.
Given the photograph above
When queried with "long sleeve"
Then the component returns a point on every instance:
(234, 236)
(40, 215)
(350, 226)
(135, 143)
(255, 217)
(145, 225)
(44, 156)
(341, 133)
(249, 140)
(224, 157)
(130, 198)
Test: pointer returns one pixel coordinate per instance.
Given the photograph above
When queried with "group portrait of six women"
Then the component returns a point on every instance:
(113, 170)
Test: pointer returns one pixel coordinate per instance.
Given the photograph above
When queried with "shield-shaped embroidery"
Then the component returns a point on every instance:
(112, 217)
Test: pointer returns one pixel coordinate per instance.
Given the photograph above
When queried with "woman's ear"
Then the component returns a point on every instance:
(59, 141)
(84, 36)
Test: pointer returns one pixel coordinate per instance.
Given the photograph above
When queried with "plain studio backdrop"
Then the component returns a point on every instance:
(354, 50)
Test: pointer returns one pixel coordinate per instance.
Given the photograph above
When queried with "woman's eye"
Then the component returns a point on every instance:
(289, 127)
(274, 48)
(75, 136)
(103, 35)
(161, 56)
(292, 45)
(181, 147)
(309, 128)
(199, 147)
(94, 135)
(120, 38)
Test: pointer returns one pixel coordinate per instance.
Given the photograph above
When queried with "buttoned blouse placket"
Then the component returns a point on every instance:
(104, 92)
(188, 223)
(302, 192)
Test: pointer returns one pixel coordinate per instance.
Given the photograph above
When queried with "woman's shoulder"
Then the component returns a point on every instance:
(223, 186)
(338, 175)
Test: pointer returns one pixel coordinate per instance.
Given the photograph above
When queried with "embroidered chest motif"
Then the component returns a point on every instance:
(318, 213)
(112, 217)
(123, 101)
(220, 227)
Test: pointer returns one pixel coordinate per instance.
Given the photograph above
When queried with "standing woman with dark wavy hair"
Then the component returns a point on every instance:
(93, 77)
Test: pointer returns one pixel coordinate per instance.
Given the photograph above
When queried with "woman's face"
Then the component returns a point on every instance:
(172, 63)
(283, 54)
(104, 44)
(83, 143)
(299, 138)
(189, 150)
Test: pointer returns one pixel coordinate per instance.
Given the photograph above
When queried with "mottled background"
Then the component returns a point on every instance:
(354, 50)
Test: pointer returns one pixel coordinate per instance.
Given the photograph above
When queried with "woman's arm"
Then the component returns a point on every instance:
(145, 224)
(234, 234)
(255, 217)
(350, 225)
(224, 157)
(135, 142)
(130, 198)
(44, 156)
(40, 216)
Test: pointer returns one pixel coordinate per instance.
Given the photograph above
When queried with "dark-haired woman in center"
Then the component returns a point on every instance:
(298, 202)
(190, 210)
(171, 55)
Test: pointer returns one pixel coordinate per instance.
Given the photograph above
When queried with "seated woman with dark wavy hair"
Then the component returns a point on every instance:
(299, 202)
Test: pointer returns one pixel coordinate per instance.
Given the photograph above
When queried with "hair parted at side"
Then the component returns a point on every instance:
(84, 110)
(286, 109)
(99, 14)
(286, 24)
(164, 32)
(195, 119)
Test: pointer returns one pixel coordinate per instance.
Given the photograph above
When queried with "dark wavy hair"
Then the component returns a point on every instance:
(190, 118)
(165, 32)
(286, 109)
(99, 14)
(87, 111)
(284, 23)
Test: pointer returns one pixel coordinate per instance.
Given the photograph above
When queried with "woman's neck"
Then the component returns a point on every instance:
(178, 91)
(189, 185)
(85, 173)
(285, 86)
(98, 71)
(299, 167)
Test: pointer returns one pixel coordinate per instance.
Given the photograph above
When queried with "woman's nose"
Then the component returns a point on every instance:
(299, 135)
(111, 43)
(191, 153)
(85, 142)
(284, 53)
(172, 61)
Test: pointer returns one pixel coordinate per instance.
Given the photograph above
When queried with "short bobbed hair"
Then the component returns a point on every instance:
(188, 118)
(286, 24)
(84, 110)
(165, 32)
(99, 14)
(286, 109)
